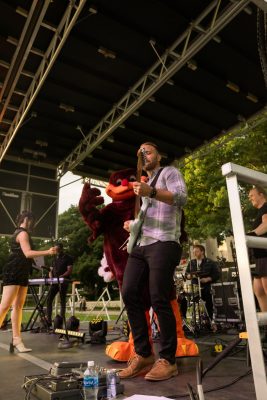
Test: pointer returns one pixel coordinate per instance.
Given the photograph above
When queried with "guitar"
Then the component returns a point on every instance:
(137, 223)
(136, 226)
(140, 163)
(138, 214)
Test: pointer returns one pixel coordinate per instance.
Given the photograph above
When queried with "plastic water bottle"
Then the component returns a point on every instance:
(111, 384)
(90, 382)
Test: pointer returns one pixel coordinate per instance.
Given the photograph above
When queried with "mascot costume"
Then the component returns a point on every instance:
(109, 221)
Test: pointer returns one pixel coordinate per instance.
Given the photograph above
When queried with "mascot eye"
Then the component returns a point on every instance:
(132, 178)
(118, 182)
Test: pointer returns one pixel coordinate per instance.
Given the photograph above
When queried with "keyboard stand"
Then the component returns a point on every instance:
(39, 301)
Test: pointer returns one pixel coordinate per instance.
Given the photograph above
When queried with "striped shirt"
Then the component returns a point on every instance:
(163, 221)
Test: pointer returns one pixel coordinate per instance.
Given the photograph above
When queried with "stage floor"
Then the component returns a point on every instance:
(45, 352)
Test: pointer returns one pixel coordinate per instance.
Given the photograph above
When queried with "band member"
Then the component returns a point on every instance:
(258, 198)
(152, 262)
(207, 271)
(16, 274)
(61, 268)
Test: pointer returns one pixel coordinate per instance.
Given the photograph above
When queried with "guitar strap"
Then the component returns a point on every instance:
(152, 184)
(124, 245)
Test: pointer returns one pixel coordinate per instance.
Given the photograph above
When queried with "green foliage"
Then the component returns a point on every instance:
(207, 210)
(74, 233)
(4, 251)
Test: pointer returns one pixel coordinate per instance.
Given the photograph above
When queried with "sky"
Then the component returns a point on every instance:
(70, 192)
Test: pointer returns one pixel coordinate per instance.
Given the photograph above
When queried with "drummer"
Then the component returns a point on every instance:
(208, 273)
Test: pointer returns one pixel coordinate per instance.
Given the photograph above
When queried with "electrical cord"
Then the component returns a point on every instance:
(191, 393)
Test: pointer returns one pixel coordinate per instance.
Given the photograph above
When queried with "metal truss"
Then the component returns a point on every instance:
(196, 36)
(261, 4)
(235, 174)
(61, 33)
(23, 46)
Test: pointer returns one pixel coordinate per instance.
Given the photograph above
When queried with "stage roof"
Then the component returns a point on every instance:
(84, 83)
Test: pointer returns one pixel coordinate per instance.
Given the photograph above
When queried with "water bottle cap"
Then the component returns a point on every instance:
(90, 364)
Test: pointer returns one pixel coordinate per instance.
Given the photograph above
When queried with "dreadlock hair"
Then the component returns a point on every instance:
(151, 144)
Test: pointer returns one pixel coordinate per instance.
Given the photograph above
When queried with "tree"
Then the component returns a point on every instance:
(207, 210)
(4, 251)
(74, 233)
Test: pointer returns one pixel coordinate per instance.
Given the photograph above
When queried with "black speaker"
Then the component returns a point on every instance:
(226, 302)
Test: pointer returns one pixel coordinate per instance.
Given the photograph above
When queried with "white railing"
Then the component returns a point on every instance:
(233, 174)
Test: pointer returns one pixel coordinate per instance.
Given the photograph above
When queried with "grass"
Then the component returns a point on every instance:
(82, 316)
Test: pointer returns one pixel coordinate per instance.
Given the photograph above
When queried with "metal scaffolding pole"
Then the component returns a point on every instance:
(199, 32)
(63, 30)
(233, 173)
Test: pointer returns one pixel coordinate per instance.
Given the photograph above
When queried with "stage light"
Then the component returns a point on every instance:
(192, 64)
(41, 143)
(10, 194)
(79, 335)
(93, 10)
(66, 107)
(98, 329)
(252, 97)
(34, 153)
(106, 53)
(170, 82)
(232, 86)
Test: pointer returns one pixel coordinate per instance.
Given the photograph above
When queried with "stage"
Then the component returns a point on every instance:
(46, 352)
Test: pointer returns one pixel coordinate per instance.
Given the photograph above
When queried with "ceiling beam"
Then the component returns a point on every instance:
(67, 22)
(25, 43)
(261, 4)
(174, 58)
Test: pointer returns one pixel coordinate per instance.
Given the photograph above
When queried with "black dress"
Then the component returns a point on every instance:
(260, 254)
(18, 267)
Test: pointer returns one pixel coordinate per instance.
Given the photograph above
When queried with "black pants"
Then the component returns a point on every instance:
(153, 265)
(54, 289)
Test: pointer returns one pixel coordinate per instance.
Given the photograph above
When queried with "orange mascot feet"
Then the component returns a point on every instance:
(122, 351)
(185, 347)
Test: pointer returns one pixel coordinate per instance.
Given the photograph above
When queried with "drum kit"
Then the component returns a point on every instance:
(193, 309)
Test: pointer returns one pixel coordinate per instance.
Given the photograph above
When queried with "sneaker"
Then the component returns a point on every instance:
(137, 365)
(161, 371)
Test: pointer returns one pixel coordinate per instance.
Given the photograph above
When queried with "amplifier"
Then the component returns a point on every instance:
(66, 384)
(46, 387)
(226, 302)
(65, 367)
(43, 388)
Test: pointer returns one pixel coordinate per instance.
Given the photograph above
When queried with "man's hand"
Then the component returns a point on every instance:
(142, 189)
(126, 225)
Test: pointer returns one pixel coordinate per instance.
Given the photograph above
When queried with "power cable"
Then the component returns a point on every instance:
(192, 393)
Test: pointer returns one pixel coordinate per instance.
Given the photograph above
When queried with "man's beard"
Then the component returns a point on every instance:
(150, 165)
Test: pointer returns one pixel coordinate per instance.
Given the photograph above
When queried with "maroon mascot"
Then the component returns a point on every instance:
(109, 221)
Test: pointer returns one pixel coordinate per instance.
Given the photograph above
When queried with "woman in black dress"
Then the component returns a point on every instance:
(16, 274)
(258, 198)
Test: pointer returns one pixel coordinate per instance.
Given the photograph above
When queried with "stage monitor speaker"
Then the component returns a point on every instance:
(226, 302)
